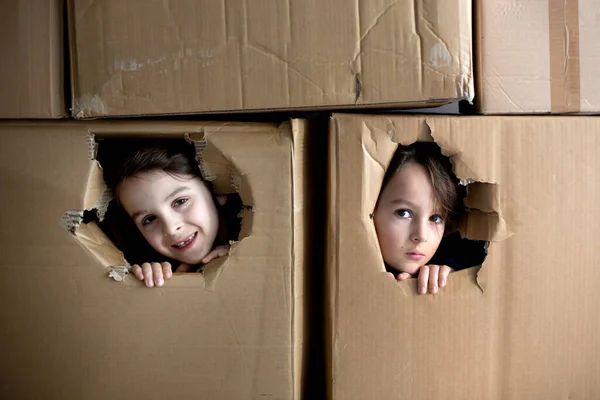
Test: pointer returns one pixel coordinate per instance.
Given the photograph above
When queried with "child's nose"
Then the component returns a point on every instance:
(419, 233)
(171, 226)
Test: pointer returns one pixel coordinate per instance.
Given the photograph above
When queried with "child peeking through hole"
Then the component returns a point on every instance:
(418, 206)
(160, 193)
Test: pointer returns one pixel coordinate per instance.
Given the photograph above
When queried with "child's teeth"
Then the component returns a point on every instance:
(181, 244)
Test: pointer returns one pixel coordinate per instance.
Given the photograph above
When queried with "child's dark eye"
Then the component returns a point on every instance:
(436, 219)
(180, 202)
(403, 213)
(148, 220)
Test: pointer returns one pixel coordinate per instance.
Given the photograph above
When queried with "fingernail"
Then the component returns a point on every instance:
(159, 282)
(443, 282)
(434, 290)
(422, 289)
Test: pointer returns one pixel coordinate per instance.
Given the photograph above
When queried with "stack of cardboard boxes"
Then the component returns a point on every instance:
(260, 323)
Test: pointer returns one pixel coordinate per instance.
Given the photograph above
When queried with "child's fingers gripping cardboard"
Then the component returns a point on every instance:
(157, 274)
(152, 274)
(423, 279)
(137, 272)
(166, 270)
(431, 278)
(443, 277)
(434, 273)
(403, 276)
(147, 274)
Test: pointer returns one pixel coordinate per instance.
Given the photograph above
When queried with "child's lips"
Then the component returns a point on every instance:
(185, 242)
(415, 255)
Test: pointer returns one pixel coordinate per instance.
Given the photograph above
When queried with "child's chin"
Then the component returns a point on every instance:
(193, 257)
(190, 260)
(410, 268)
(183, 260)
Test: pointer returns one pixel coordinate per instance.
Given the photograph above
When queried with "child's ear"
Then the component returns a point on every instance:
(222, 199)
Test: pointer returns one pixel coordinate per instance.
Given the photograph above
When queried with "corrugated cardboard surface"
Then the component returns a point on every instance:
(538, 56)
(525, 325)
(70, 332)
(32, 53)
(155, 57)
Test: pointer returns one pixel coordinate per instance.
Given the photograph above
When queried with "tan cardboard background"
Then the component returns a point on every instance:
(71, 332)
(32, 71)
(525, 325)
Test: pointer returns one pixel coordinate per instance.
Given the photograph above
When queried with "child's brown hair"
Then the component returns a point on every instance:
(447, 192)
(172, 156)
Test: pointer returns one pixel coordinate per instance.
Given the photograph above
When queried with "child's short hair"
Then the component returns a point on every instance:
(136, 156)
(446, 190)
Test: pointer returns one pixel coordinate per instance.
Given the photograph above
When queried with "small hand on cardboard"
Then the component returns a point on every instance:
(430, 277)
(155, 274)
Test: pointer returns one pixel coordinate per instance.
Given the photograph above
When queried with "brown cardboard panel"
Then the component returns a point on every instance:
(537, 56)
(32, 53)
(139, 57)
(70, 331)
(525, 324)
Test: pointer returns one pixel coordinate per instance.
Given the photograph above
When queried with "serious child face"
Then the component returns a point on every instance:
(409, 226)
(176, 214)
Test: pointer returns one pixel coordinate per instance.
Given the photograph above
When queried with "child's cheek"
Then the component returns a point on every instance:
(437, 231)
(153, 239)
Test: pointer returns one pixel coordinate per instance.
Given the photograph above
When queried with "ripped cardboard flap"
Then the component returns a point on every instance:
(380, 139)
(95, 241)
(213, 143)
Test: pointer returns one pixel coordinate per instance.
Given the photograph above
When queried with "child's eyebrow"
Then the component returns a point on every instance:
(402, 201)
(136, 215)
(176, 192)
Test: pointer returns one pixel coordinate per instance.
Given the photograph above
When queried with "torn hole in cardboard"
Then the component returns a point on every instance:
(91, 225)
(481, 221)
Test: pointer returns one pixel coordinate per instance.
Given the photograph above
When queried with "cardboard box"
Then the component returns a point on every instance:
(537, 56)
(32, 72)
(141, 58)
(236, 331)
(523, 326)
